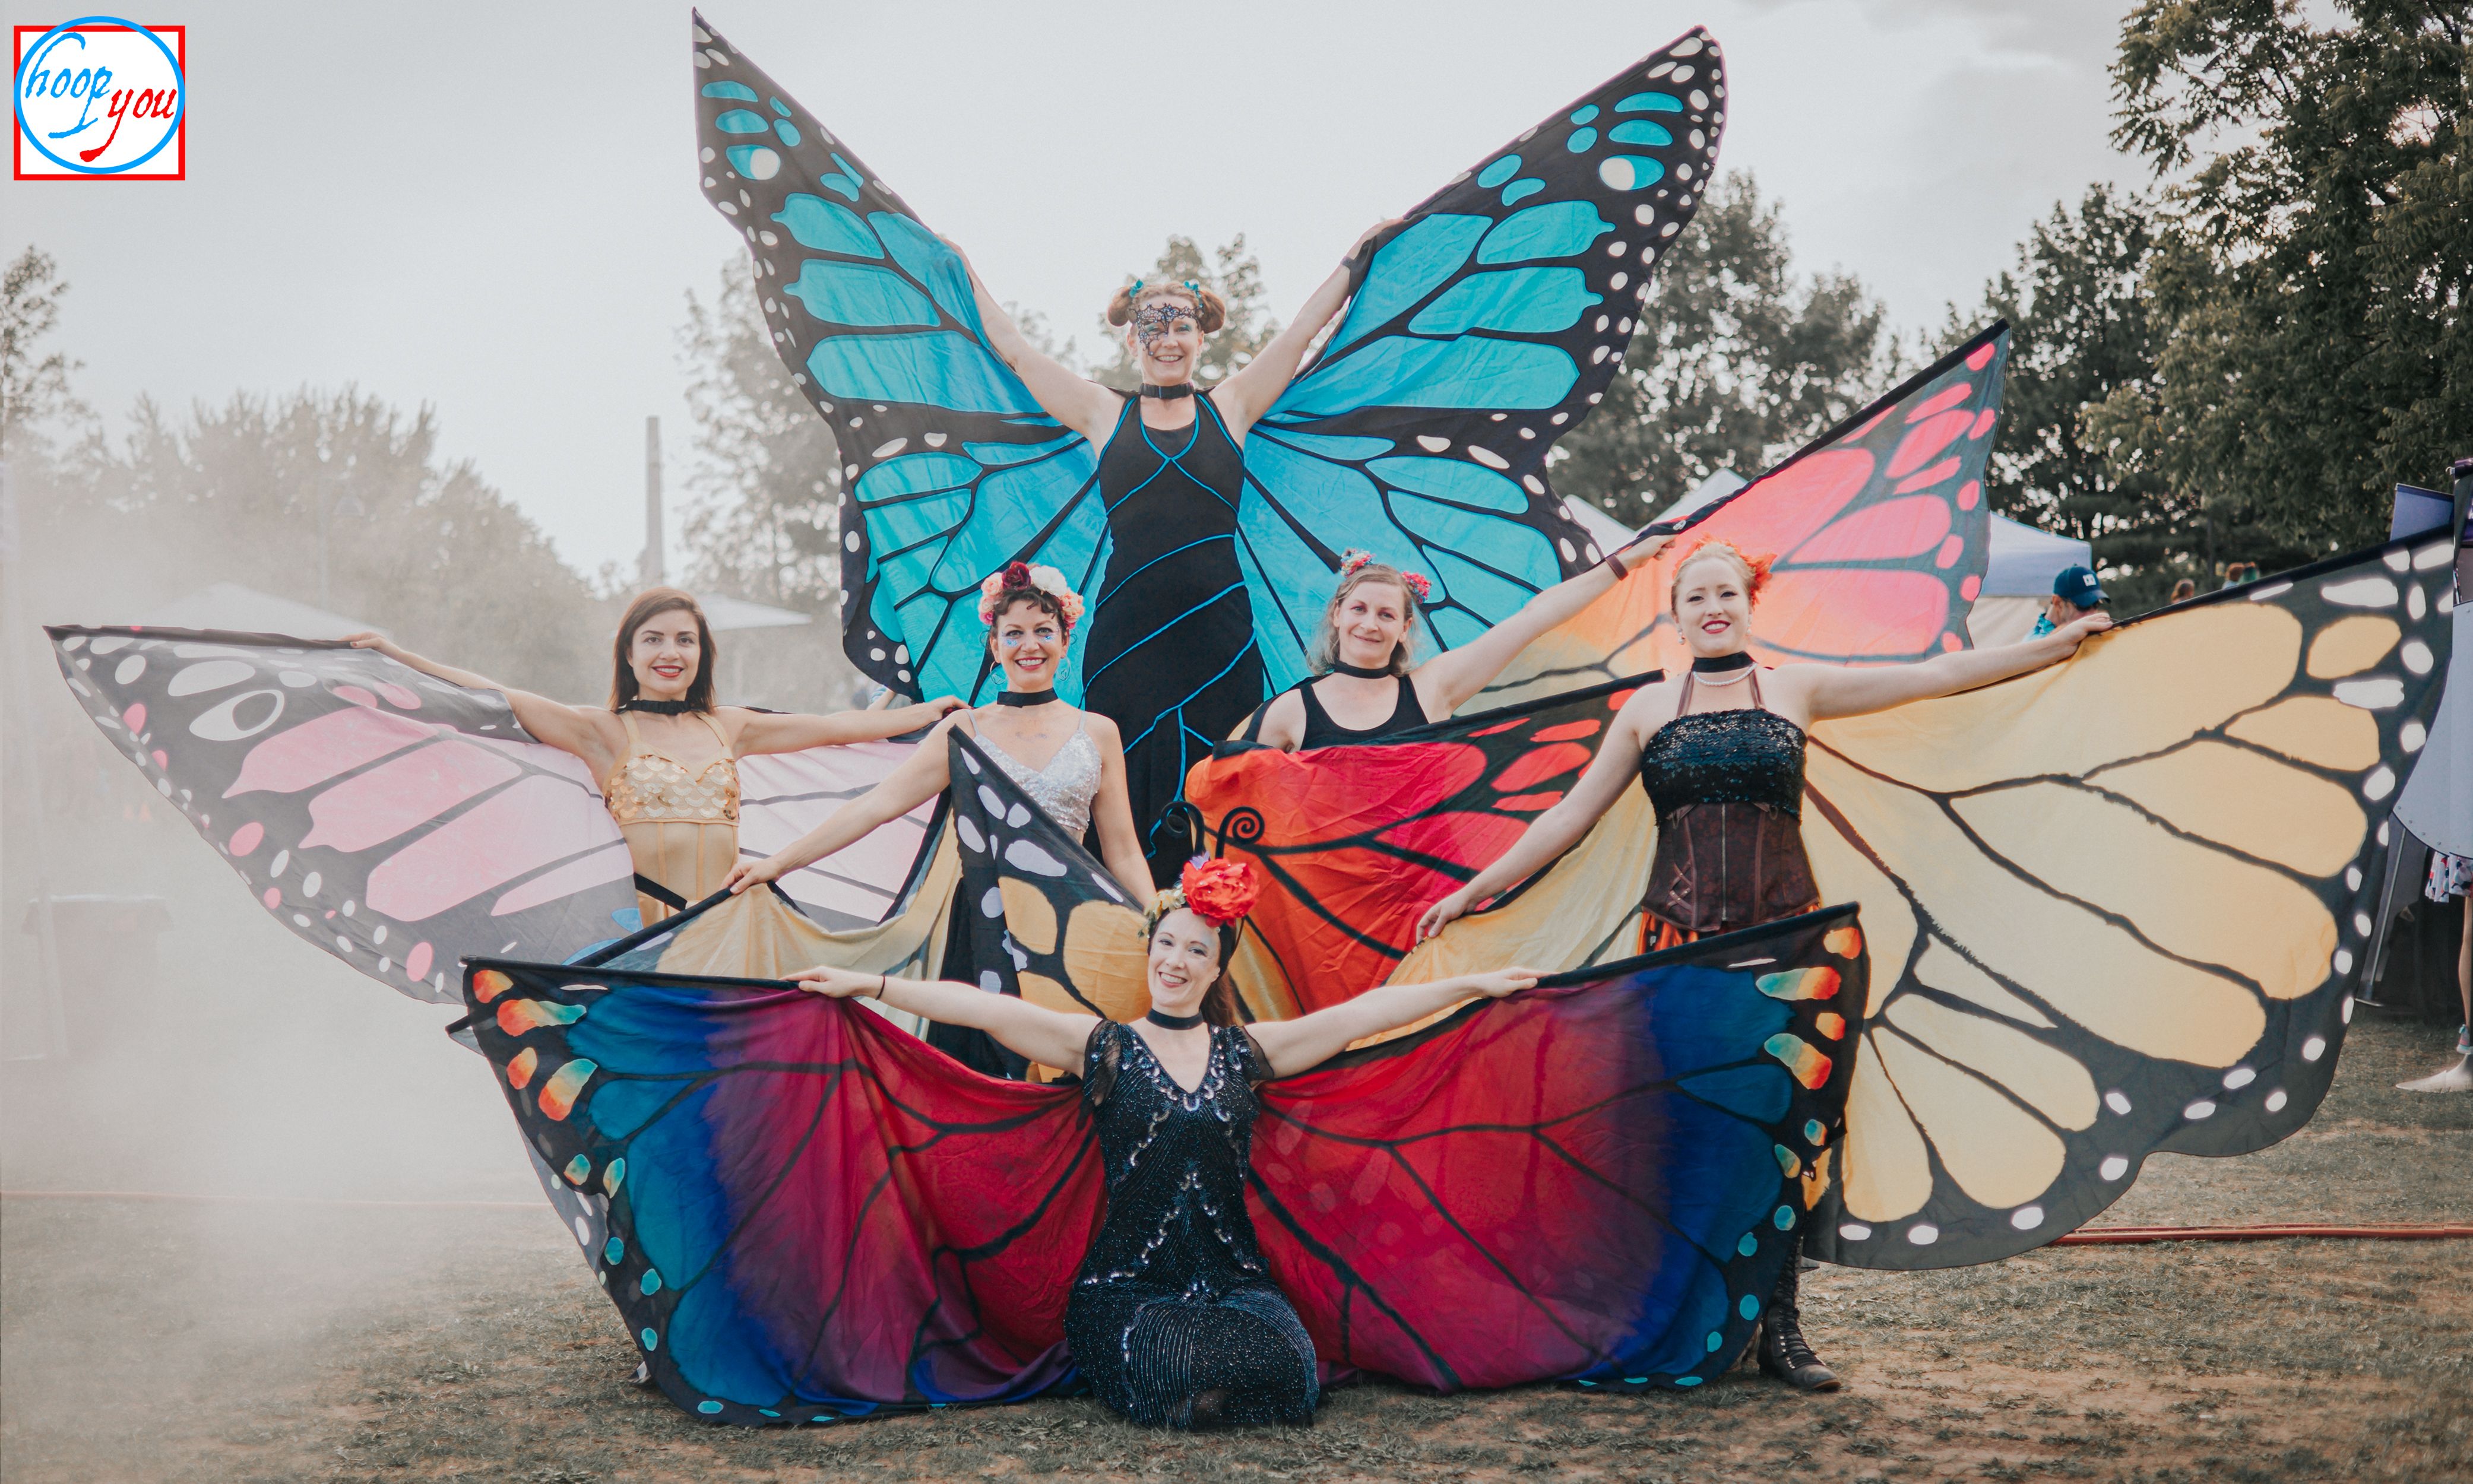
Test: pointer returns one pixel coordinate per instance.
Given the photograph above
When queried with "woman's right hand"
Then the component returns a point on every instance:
(1443, 914)
(756, 872)
(379, 642)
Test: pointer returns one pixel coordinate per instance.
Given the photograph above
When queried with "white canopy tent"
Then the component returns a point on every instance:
(239, 609)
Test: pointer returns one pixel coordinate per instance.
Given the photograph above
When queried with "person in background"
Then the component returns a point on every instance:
(2075, 593)
(2183, 590)
(2451, 877)
(2240, 572)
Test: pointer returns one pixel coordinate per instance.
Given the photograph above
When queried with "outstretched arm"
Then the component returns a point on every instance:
(1050, 1037)
(1243, 397)
(922, 777)
(1557, 829)
(570, 729)
(762, 731)
(1446, 682)
(1080, 403)
(1835, 690)
(1309, 1041)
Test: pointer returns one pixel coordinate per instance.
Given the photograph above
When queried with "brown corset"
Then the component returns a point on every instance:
(1728, 788)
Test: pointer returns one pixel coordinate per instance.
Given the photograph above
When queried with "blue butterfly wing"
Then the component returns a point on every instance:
(949, 468)
(1479, 333)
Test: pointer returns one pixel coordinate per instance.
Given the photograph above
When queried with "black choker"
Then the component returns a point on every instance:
(662, 708)
(1361, 672)
(1168, 393)
(1173, 1022)
(1706, 664)
(1027, 697)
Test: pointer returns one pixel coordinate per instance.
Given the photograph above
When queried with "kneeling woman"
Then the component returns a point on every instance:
(1174, 1319)
(1727, 782)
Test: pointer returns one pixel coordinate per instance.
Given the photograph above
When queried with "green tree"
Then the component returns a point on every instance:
(2314, 263)
(1235, 275)
(1737, 360)
(34, 378)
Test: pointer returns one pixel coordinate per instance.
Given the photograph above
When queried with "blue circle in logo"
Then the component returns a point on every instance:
(42, 43)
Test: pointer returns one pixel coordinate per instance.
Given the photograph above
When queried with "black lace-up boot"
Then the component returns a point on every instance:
(1782, 1348)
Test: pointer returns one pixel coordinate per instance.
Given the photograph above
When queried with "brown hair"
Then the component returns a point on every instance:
(649, 604)
(1033, 594)
(1325, 650)
(1209, 310)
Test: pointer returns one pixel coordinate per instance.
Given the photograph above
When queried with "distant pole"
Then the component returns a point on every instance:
(652, 577)
(26, 769)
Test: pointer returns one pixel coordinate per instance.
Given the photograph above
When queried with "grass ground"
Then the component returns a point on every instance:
(230, 1342)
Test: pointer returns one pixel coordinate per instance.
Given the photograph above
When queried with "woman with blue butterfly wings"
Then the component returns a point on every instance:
(1475, 335)
(1170, 651)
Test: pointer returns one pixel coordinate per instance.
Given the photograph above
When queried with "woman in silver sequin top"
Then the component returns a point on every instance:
(1080, 781)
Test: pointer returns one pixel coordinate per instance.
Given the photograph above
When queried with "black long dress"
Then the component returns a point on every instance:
(1173, 1304)
(1170, 656)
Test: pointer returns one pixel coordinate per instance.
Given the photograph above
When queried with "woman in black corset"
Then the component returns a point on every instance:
(1364, 686)
(1170, 656)
(1720, 752)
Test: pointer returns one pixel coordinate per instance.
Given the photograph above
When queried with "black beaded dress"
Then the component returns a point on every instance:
(1170, 658)
(1174, 1319)
(1728, 790)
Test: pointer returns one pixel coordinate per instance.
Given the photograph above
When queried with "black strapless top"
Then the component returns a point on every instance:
(1728, 790)
(1749, 756)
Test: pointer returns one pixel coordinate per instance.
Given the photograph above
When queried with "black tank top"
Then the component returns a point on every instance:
(1321, 731)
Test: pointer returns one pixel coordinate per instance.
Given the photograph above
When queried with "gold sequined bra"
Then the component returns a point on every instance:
(650, 788)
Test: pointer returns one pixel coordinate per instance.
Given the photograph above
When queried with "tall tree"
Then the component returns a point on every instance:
(34, 376)
(2316, 262)
(1231, 273)
(1737, 361)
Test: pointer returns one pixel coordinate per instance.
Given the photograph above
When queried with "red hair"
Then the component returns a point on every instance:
(1755, 569)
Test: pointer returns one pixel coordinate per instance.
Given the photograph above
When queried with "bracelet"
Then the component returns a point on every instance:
(883, 982)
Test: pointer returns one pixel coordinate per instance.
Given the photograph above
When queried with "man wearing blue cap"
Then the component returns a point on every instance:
(2075, 593)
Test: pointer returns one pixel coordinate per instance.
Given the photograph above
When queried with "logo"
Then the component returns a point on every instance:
(100, 99)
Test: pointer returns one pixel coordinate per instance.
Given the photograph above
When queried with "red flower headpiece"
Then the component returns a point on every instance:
(1418, 585)
(1718, 545)
(1219, 891)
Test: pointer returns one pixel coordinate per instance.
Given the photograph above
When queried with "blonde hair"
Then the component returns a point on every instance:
(1755, 569)
(1325, 650)
(1209, 310)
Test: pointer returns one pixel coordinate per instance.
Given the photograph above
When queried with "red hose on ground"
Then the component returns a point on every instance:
(2084, 1236)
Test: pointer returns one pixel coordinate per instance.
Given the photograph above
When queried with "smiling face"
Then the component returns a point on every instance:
(1184, 962)
(1029, 642)
(1166, 339)
(666, 653)
(1713, 605)
(1370, 619)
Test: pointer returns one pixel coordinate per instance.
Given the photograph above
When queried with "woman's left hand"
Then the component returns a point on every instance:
(1500, 982)
(839, 983)
(1366, 236)
(2071, 635)
(1639, 554)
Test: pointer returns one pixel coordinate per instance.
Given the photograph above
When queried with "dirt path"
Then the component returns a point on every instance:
(176, 1343)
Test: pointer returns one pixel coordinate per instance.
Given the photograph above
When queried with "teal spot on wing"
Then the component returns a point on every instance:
(1582, 140)
(739, 121)
(1717, 1341)
(1452, 479)
(1408, 267)
(579, 1169)
(993, 454)
(1585, 115)
(1520, 301)
(859, 294)
(1499, 171)
(924, 256)
(814, 222)
(651, 1283)
(738, 90)
(652, 1339)
(778, 106)
(1650, 103)
(1748, 1306)
(1506, 376)
(1638, 130)
(933, 368)
(708, 1408)
(788, 132)
(1562, 228)
(753, 162)
(1749, 1246)
(613, 1251)
(1520, 190)
(846, 184)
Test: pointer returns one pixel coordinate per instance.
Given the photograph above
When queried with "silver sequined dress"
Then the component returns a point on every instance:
(1063, 789)
(1173, 1302)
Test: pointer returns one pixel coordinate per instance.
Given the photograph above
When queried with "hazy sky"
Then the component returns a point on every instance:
(492, 208)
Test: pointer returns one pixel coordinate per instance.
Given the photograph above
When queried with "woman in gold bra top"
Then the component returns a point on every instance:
(667, 757)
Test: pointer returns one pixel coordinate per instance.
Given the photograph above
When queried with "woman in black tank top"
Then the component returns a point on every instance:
(1369, 631)
(1720, 755)
(1170, 658)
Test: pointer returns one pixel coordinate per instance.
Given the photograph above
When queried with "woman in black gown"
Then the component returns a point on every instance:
(1170, 656)
(1174, 1319)
(1726, 778)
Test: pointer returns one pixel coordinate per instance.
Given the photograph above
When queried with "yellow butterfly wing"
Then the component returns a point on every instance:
(2116, 906)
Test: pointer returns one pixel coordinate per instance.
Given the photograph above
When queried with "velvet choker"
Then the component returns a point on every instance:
(1361, 672)
(662, 708)
(1027, 697)
(1172, 1022)
(1718, 664)
(1168, 393)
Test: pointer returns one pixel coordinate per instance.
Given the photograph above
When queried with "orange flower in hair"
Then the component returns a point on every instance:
(1756, 570)
(1219, 891)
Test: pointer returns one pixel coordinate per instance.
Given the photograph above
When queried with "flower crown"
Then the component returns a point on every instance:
(1017, 575)
(1417, 584)
(1219, 891)
(1718, 545)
